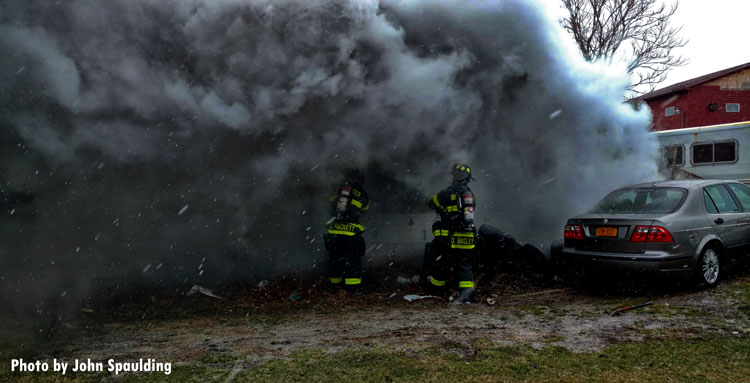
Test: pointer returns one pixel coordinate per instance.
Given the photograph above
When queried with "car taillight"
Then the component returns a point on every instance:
(651, 234)
(573, 232)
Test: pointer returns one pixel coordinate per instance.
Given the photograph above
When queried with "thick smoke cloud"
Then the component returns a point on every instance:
(193, 141)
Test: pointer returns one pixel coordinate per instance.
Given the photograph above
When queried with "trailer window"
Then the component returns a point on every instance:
(725, 151)
(703, 153)
(673, 155)
(715, 152)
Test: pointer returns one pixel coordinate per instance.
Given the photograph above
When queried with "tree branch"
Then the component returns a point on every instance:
(601, 27)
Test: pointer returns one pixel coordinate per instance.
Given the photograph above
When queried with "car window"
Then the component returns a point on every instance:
(723, 200)
(710, 205)
(742, 193)
(671, 195)
(640, 201)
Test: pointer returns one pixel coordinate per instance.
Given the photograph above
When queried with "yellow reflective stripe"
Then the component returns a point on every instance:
(467, 247)
(463, 234)
(465, 284)
(345, 228)
(356, 203)
(336, 280)
(436, 282)
(462, 240)
(352, 281)
(441, 233)
(366, 207)
(435, 201)
(356, 225)
(451, 208)
(341, 232)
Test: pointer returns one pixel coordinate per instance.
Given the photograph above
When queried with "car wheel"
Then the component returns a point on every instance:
(708, 267)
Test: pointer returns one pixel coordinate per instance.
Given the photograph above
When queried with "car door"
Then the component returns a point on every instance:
(742, 195)
(726, 217)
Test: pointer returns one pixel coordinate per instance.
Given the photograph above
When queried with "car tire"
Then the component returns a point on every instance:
(707, 270)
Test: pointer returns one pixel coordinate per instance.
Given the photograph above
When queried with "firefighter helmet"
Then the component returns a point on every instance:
(461, 172)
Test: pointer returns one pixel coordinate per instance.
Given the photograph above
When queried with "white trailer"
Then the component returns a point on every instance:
(711, 152)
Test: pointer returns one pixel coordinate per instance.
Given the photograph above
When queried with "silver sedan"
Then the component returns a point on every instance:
(688, 227)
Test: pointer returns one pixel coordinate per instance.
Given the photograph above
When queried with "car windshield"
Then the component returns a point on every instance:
(641, 201)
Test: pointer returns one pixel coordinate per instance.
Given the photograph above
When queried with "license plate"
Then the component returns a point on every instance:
(606, 232)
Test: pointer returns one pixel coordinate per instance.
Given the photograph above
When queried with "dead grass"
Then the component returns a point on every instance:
(533, 333)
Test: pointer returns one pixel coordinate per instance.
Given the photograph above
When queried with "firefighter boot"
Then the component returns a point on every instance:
(436, 289)
(465, 296)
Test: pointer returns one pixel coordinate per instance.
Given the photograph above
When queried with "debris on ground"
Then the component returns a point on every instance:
(550, 292)
(403, 280)
(414, 297)
(626, 308)
(260, 325)
(198, 289)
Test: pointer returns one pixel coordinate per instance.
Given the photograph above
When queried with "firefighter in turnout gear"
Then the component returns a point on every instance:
(344, 241)
(455, 233)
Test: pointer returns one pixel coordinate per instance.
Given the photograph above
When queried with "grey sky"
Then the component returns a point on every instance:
(717, 31)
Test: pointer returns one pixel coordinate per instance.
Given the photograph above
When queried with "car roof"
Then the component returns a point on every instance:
(677, 183)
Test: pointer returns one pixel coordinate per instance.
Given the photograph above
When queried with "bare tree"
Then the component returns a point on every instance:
(638, 30)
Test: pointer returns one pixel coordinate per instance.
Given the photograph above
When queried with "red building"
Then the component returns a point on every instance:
(717, 98)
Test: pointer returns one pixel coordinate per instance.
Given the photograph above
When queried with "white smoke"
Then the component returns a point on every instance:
(126, 111)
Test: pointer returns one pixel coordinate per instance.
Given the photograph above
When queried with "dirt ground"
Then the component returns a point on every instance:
(256, 324)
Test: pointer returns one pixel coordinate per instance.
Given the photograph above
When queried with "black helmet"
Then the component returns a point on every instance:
(461, 172)
(354, 175)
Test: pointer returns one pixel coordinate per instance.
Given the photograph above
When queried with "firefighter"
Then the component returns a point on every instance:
(344, 241)
(455, 234)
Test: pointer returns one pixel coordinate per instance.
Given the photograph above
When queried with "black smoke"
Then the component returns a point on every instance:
(193, 141)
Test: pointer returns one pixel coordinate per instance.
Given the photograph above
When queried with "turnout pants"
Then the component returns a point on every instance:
(345, 259)
(452, 249)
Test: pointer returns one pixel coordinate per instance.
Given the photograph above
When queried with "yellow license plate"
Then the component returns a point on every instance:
(606, 232)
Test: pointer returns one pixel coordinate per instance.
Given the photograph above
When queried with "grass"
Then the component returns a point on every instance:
(739, 291)
(668, 354)
(672, 311)
(709, 359)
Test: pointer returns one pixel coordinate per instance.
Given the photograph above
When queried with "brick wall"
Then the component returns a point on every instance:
(693, 105)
